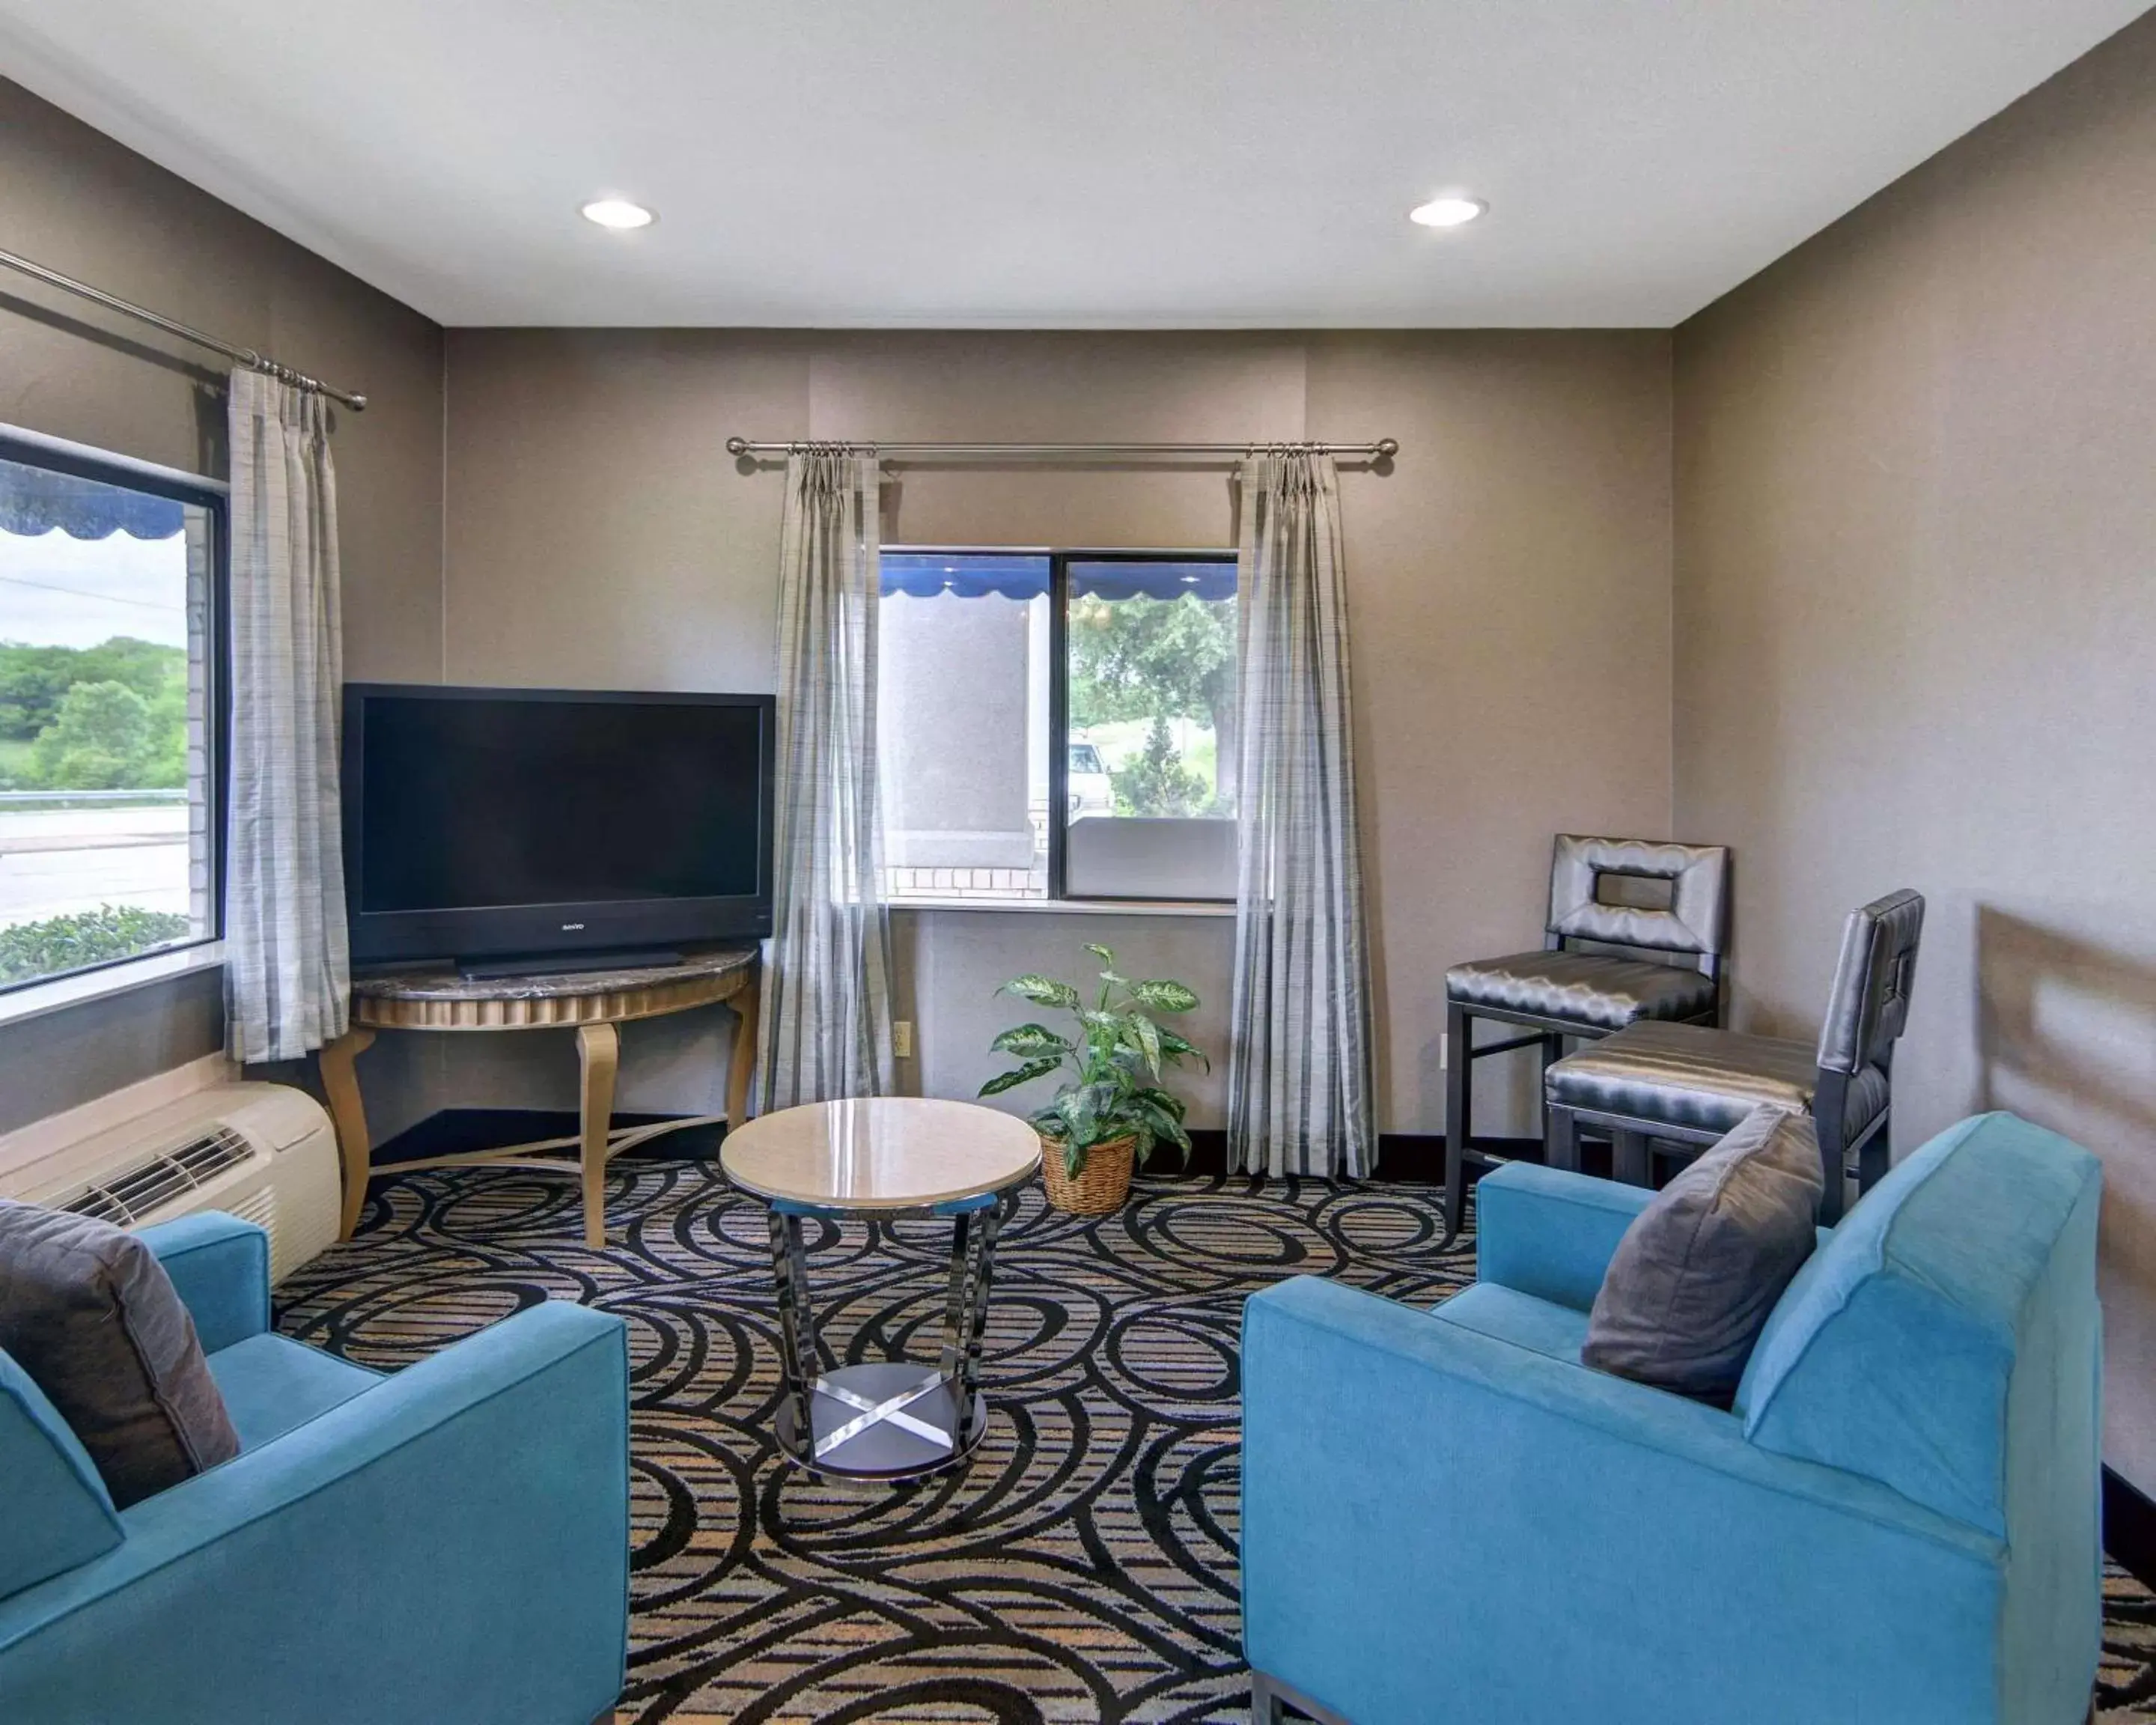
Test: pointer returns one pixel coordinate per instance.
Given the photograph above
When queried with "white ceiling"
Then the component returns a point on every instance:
(1122, 163)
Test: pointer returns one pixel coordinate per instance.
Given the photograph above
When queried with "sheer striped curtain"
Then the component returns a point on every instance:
(825, 1029)
(287, 971)
(1299, 1070)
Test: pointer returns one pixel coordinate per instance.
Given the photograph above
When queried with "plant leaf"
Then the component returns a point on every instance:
(1022, 1074)
(1164, 996)
(1177, 1049)
(1147, 1034)
(1041, 991)
(1104, 954)
(1027, 1040)
(1166, 1126)
(1082, 1125)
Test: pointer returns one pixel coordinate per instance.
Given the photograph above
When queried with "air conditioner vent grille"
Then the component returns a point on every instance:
(147, 1185)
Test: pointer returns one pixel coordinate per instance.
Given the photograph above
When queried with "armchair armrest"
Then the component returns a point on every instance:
(452, 1543)
(1550, 1232)
(220, 1265)
(1429, 1511)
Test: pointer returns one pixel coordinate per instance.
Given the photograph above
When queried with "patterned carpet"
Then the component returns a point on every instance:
(1083, 1568)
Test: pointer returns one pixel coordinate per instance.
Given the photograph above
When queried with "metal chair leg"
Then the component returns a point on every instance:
(1459, 1086)
(1551, 1052)
(1874, 1159)
(1265, 1701)
(1631, 1160)
(1834, 1169)
(1561, 1139)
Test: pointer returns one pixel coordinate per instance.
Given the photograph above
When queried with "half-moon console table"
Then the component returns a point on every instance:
(591, 1003)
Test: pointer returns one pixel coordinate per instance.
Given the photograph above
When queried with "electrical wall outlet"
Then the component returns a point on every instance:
(901, 1039)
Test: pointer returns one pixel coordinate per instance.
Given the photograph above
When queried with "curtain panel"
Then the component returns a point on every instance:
(287, 967)
(825, 1026)
(1299, 1072)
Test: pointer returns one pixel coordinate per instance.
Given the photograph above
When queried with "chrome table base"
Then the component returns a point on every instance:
(895, 1420)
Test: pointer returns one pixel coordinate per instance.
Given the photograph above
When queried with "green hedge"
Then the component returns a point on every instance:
(30, 950)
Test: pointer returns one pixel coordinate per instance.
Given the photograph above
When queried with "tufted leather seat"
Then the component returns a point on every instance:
(1584, 987)
(1686, 1084)
(1562, 993)
(1709, 1080)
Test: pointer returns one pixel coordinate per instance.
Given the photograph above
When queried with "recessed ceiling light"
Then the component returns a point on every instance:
(1447, 211)
(617, 212)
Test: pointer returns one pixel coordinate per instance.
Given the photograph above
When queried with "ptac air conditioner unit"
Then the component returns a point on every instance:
(261, 1151)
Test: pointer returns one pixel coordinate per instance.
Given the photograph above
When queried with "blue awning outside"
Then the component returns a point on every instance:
(1022, 576)
(1207, 580)
(34, 500)
(971, 575)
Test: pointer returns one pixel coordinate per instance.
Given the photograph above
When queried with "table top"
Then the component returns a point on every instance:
(881, 1153)
(438, 981)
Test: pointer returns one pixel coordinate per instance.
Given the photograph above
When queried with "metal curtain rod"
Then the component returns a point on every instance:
(1382, 449)
(172, 327)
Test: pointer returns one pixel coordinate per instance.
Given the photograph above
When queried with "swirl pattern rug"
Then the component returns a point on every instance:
(1082, 1570)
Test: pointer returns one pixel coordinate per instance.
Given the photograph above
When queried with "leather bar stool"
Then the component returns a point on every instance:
(1684, 1085)
(1565, 992)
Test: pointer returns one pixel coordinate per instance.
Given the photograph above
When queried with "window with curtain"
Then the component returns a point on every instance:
(1058, 724)
(112, 599)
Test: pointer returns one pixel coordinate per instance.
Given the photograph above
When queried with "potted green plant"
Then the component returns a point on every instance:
(1112, 1110)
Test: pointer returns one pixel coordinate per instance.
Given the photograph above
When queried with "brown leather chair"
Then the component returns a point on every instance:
(1576, 987)
(1681, 1086)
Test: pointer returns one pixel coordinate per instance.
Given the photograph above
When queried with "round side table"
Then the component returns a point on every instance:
(591, 1003)
(877, 1158)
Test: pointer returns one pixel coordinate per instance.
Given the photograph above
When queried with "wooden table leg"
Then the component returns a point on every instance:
(340, 1081)
(599, 1050)
(740, 1062)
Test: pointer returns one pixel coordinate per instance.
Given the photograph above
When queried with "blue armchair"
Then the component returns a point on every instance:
(1448, 1520)
(450, 1542)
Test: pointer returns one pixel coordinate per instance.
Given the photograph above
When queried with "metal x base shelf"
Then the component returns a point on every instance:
(890, 1420)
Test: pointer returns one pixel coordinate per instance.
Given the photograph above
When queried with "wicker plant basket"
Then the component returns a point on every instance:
(1103, 1182)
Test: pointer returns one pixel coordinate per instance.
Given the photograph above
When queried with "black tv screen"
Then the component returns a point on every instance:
(491, 821)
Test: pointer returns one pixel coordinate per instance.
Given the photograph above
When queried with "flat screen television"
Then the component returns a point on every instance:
(542, 823)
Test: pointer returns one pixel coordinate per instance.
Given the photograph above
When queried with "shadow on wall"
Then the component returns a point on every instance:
(2065, 1030)
(209, 378)
(2065, 1033)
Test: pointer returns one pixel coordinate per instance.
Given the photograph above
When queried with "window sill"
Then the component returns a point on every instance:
(1073, 906)
(38, 999)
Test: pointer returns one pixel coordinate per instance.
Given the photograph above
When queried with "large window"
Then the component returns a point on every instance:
(1058, 724)
(109, 586)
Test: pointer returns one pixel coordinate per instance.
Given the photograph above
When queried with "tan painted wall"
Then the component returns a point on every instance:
(1508, 584)
(78, 201)
(1915, 606)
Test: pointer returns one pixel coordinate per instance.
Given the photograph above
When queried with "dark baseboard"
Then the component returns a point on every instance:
(2129, 1528)
(1401, 1156)
(453, 1131)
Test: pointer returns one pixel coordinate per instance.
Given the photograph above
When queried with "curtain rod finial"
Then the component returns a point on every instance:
(737, 446)
(1387, 447)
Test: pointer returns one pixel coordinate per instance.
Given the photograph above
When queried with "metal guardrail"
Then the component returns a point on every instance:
(63, 799)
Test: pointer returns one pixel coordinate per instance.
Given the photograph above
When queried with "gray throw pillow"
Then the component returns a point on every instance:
(88, 1311)
(1698, 1273)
